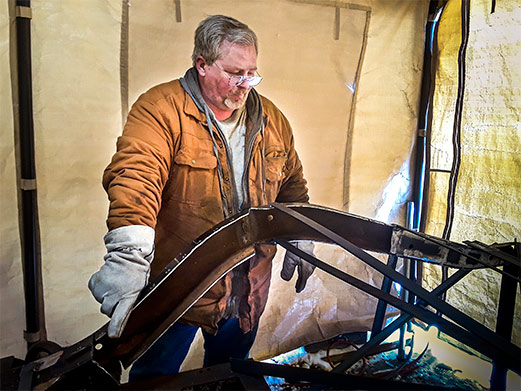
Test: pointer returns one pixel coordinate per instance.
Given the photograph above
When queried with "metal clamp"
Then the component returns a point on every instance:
(23, 12)
(28, 184)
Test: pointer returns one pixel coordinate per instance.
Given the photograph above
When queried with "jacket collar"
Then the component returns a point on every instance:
(196, 106)
(191, 109)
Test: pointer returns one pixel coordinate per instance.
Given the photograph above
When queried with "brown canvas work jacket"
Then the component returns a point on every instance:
(174, 175)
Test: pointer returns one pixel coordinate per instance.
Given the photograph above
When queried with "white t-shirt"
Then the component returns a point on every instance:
(234, 129)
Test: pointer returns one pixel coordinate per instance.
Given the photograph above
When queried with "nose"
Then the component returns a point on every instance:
(244, 84)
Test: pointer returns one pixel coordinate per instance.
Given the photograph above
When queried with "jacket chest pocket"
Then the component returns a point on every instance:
(275, 165)
(194, 177)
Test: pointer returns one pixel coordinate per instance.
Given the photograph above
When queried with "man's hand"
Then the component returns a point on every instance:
(117, 284)
(292, 261)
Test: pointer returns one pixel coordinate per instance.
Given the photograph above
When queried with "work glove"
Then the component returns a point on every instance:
(292, 261)
(117, 284)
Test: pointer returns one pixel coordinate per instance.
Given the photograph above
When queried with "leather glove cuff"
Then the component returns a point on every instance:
(130, 250)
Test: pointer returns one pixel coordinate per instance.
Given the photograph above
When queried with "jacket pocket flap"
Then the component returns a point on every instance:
(275, 168)
(196, 159)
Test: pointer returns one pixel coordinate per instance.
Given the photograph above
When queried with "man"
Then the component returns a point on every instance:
(195, 151)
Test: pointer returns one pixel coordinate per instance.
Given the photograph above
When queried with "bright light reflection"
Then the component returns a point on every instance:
(394, 194)
(284, 358)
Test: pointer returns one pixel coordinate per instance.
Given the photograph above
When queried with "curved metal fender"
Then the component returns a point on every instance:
(191, 274)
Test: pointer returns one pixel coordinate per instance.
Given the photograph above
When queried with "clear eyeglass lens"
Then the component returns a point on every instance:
(236, 81)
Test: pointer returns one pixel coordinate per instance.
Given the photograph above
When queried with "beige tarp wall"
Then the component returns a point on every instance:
(308, 73)
(487, 202)
(77, 115)
(305, 69)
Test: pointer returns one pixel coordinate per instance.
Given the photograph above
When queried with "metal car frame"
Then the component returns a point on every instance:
(192, 273)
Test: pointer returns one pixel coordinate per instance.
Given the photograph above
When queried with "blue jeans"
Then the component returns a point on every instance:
(167, 354)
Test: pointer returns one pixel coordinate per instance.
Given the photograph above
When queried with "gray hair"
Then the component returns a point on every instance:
(215, 29)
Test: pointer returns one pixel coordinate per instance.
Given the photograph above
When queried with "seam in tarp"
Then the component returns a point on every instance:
(337, 24)
(350, 124)
(177, 4)
(123, 60)
(338, 4)
(335, 3)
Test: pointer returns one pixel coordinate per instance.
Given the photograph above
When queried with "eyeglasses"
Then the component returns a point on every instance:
(236, 81)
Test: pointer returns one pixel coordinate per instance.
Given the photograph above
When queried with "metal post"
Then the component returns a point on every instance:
(379, 317)
(505, 320)
(28, 216)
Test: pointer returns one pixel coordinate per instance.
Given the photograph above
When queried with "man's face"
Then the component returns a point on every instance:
(235, 60)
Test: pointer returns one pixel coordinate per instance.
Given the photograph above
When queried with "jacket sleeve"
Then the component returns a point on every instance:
(136, 176)
(293, 187)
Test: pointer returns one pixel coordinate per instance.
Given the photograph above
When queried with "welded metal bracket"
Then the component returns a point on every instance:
(414, 245)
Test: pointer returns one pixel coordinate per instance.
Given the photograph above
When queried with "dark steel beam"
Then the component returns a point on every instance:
(379, 317)
(318, 377)
(378, 338)
(505, 321)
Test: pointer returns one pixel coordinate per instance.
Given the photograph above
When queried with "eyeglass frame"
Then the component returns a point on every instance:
(240, 77)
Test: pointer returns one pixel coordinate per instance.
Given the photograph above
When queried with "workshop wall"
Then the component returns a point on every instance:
(487, 193)
(308, 72)
(77, 117)
(346, 74)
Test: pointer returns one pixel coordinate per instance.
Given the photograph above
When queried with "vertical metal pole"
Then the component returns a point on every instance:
(29, 219)
(382, 305)
(505, 321)
(423, 153)
(410, 273)
(404, 294)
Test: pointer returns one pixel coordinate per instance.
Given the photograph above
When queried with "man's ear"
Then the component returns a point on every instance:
(201, 65)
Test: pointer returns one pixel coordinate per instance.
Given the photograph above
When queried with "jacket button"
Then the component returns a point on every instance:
(193, 160)
(227, 179)
(229, 211)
